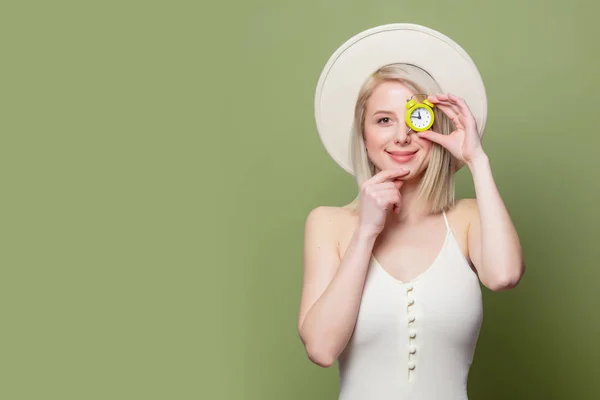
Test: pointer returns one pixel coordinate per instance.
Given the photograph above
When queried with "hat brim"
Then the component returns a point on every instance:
(351, 64)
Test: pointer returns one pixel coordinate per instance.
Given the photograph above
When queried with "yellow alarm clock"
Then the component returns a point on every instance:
(419, 116)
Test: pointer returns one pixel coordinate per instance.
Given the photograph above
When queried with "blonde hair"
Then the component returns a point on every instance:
(437, 185)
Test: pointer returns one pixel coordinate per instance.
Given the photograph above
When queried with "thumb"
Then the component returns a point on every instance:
(434, 137)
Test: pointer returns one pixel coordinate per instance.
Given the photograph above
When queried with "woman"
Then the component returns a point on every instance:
(392, 281)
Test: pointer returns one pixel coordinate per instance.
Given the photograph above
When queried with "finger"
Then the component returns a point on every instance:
(387, 174)
(381, 187)
(452, 115)
(433, 98)
(462, 119)
(447, 104)
(387, 193)
(398, 184)
(387, 199)
(435, 137)
(391, 199)
(448, 110)
(438, 97)
(461, 103)
(396, 203)
(439, 100)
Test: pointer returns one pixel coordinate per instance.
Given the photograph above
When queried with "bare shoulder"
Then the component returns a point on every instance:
(328, 212)
(334, 219)
(465, 209)
(468, 203)
(331, 224)
(327, 216)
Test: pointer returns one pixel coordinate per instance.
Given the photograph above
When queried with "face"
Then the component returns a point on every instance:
(386, 134)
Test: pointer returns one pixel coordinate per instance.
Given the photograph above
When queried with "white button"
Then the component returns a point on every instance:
(411, 301)
(412, 349)
(411, 365)
(409, 288)
(411, 318)
(412, 334)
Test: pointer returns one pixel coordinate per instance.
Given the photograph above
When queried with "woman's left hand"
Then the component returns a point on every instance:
(464, 143)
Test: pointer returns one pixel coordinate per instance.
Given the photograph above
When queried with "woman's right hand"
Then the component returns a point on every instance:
(377, 195)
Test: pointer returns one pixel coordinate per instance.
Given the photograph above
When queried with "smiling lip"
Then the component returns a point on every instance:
(402, 156)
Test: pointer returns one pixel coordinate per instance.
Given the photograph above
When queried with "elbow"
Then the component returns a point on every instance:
(320, 347)
(317, 352)
(502, 286)
(506, 281)
(320, 357)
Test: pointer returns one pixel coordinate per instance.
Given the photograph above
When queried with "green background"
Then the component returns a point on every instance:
(159, 159)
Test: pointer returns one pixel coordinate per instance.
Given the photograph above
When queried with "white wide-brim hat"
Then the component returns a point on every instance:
(353, 62)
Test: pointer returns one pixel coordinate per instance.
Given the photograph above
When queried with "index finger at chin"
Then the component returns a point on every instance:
(400, 174)
(387, 174)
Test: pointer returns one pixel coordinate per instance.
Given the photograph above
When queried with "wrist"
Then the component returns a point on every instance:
(479, 161)
(367, 233)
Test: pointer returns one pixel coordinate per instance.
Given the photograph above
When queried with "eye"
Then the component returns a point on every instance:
(385, 120)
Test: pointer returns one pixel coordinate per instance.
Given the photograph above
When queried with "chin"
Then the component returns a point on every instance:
(408, 166)
(411, 173)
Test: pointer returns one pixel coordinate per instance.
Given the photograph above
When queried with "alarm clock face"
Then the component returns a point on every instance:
(420, 117)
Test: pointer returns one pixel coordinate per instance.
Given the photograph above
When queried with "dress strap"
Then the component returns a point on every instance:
(446, 219)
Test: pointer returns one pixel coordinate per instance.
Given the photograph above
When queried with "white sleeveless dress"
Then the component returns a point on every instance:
(415, 340)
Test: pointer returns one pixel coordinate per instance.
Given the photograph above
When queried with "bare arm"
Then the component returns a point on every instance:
(494, 245)
(332, 288)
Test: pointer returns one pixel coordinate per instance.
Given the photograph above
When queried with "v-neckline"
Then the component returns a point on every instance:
(422, 274)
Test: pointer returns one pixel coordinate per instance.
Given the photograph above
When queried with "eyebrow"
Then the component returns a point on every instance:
(383, 112)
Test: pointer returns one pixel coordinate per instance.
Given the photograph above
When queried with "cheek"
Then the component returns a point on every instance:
(374, 137)
(425, 144)
(426, 148)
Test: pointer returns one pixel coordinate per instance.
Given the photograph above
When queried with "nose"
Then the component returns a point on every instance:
(402, 134)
